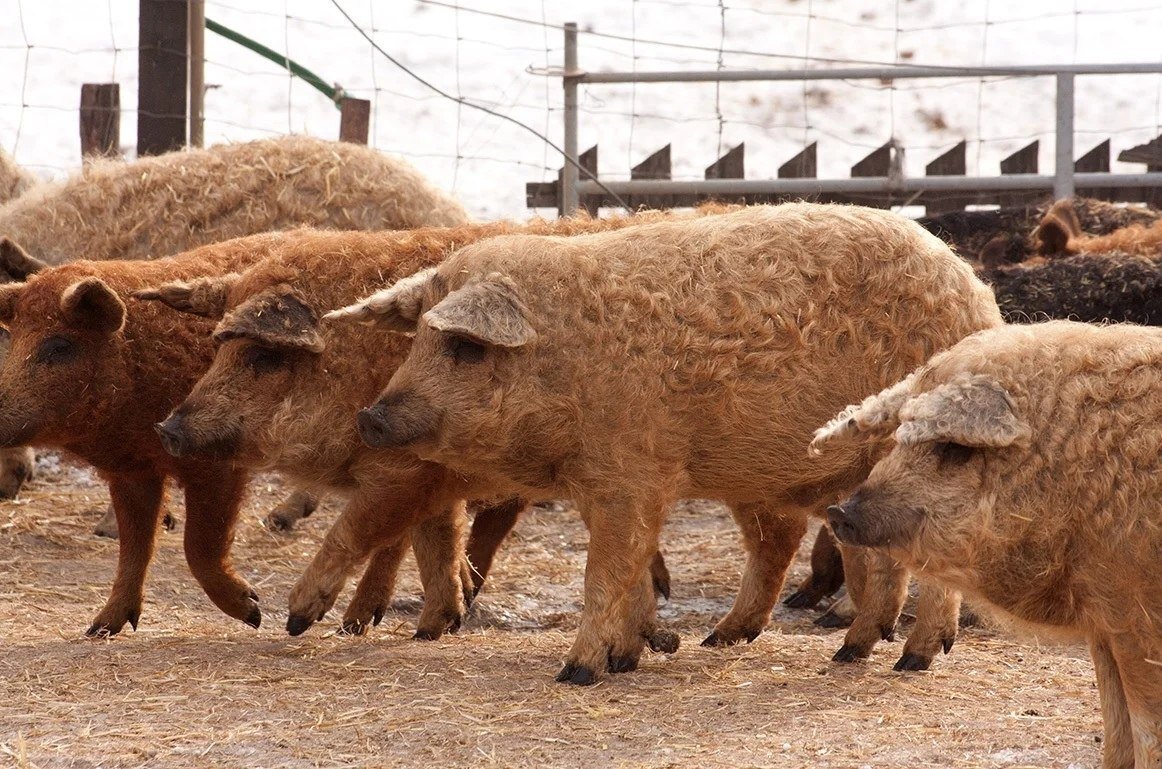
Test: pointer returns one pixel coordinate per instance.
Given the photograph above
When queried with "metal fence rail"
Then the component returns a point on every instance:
(571, 190)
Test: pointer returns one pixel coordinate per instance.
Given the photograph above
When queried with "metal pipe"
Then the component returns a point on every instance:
(864, 73)
(197, 71)
(727, 187)
(333, 92)
(569, 196)
(1063, 168)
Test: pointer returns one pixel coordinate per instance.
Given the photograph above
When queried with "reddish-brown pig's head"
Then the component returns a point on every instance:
(64, 348)
(462, 388)
(933, 495)
(265, 335)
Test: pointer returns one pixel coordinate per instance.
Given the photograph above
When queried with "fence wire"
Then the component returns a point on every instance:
(505, 55)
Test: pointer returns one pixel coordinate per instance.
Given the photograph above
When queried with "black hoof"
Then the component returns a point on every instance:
(800, 600)
(275, 523)
(133, 617)
(888, 632)
(848, 654)
(947, 644)
(578, 675)
(454, 625)
(353, 627)
(100, 631)
(714, 640)
(169, 522)
(664, 641)
(377, 615)
(621, 664)
(832, 620)
(426, 635)
(297, 624)
(254, 618)
(911, 661)
(662, 588)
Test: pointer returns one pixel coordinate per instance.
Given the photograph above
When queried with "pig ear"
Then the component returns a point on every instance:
(205, 296)
(9, 293)
(877, 415)
(972, 411)
(15, 263)
(1059, 225)
(488, 311)
(277, 317)
(396, 308)
(90, 303)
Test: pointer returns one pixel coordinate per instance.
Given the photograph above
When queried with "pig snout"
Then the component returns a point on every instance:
(173, 435)
(845, 519)
(396, 421)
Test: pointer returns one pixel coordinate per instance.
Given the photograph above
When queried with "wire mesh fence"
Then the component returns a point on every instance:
(502, 56)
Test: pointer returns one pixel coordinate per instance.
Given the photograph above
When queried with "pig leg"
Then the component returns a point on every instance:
(365, 526)
(137, 499)
(1141, 677)
(826, 573)
(842, 612)
(373, 595)
(771, 536)
(880, 607)
(213, 496)
(937, 618)
(291, 510)
(438, 543)
(489, 528)
(17, 465)
(616, 619)
(1118, 742)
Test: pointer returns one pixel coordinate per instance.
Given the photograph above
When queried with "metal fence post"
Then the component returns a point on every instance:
(569, 198)
(1063, 168)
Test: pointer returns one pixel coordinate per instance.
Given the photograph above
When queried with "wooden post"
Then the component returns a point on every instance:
(952, 163)
(354, 120)
(161, 64)
(197, 34)
(100, 120)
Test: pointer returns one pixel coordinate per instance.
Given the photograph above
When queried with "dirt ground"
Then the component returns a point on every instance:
(194, 688)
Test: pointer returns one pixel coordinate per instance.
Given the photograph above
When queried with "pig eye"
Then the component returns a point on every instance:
(465, 350)
(56, 350)
(952, 454)
(263, 360)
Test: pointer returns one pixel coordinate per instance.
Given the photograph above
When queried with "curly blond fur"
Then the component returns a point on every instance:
(1056, 524)
(683, 358)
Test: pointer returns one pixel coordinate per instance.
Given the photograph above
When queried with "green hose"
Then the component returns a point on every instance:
(333, 92)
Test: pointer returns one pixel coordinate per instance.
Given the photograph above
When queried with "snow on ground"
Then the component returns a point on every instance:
(47, 49)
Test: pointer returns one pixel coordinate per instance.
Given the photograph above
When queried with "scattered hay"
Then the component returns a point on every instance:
(191, 687)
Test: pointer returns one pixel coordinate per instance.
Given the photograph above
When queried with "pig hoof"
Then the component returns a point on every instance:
(297, 624)
(578, 675)
(254, 618)
(426, 635)
(714, 640)
(662, 585)
(801, 599)
(888, 632)
(110, 532)
(912, 661)
(168, 522)
(947, 644)
(353, 627)
(377, 615)
(664, 641)
(848, 653)
(454, 625)
(832, 620)
(621, 664)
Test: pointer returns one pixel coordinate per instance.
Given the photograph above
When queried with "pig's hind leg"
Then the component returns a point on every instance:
(771, 535)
